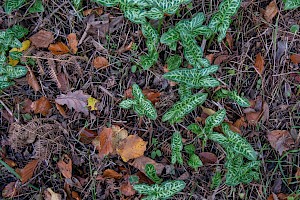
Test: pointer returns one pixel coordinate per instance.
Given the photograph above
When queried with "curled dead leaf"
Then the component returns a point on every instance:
(271, 11)
(61, 110)
(65, 166)
(103, 142)
(100, 62)
(131, 147)
(280, 140)
(27, 172)
(42, 39)
(41, 106)
(10, 190)
(73, 42)
(253, 118)
(109, 173)
(259, 64)
(10, 162)
(127, 189)
(58, 48)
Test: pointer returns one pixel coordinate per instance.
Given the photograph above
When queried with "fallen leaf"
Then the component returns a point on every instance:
(271, 11)
(86, 136)
(32, 81)
(240, 123)
(50, 195)
(26, 106)
(58, 48)
(98, 11)
(118, 135)
(100, 62)
(61, 110)
(229, 40)
(10, 190)
(24, 47)
(259, 64)
(151, 95)
(76, 100)
(92, 103)
(109, 173)
(65, 166)
(208, 111)
(10, 162)
(220, 59)
(103, 142)
(141, 162)
(127, 189)
(125, 48)
(27, 172)
(42, 39)
(208, 158)
(280, 140)
(295, 58)
(41, 106)
(297, 175)
(131, 147)
(75, 195)
(279, 196)
(63, 82)
(73, 42)
(253, 118)
(210, 58)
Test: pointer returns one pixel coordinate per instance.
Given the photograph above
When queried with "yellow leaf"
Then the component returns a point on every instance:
(13, 62)
(25, 46)
(131, 147)
(92, 103)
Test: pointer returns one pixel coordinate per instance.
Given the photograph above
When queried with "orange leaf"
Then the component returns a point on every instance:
(10, 190)
(295, 58)
(42, 39)
(100, 62)
(86, 136)
(151, 95)
(280, 140)
(259, 64)
(31, 79)
(131, 147)
(73, 42)
(103, 142)
(229, 40)
(271, 11)
(109, 173)
(27, 172)
(75, 195)
(41, 106)
(10, 162)
(65, 166)
(61, 110)
(58, 48)
(208, 158)
(141, 162)
(127, 189)
(210, 58)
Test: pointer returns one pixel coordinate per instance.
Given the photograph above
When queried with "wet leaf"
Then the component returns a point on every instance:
(92, 103)
(295, 58)
(86, 136)
(27, 172)
(127, 189)
(100, 62)
(118, 135)
(58, 48)
(109, 173)
(32, 81)
(271, 11)
(42, 39)
(208, 158)
(10, 190)
(141, 162)
(41, 106)
(73, 42)
(259, 64)
(65, 166)
(76, 100)
(131, 147)
(280, 140)
(50, 195)
(103, 142)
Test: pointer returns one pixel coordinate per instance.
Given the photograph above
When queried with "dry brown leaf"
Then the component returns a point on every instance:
(220, 59)
(73, 42)
(41, 106)
(100, 62)
(58, 48)
(240, 123)
(109, 173)
(151, 95)
(125, 48)
(50, 195)
(118, 135)
(229, 40)
(65, 166)
(10, 162)
(208, 158)
(208, 111)
(32, 81)
(98, 11)
(103, 142)
(61, 110)
(27, 172)
(295, 58)
(42, 39)
(271, 11)
(86, 136)
(75, 195)
(127, 189)
(210, 58)
(26, 108)
(280, 140)
(10, 190)
(76, 100)
(253, 118)
(131, 147)
(297, 175)
(141, 162)
(259, 64)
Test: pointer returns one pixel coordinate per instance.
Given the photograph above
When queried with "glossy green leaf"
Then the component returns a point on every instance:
(195, 128)
(4, 85)
(15, 55)
(215, 120)
(151, 173)
(176, 147)
(15, 72)
(184, 91)
(38, 6)
(195, 162)
(127, 104)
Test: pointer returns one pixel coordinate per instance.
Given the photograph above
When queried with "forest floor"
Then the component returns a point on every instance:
(256, 59)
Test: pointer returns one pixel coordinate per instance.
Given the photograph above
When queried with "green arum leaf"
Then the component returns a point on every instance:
(107, 3)
(176, 146)
(219, 138)
(15, 72)
(174, 62)
(15, 55)
(222, 93)
(17, 31)
(184, 91)
(154, 13)
(242, 101)
(4, 85)
(151, 173)
(158, 192)
(291, 4)
(135, 15)
(2, 60)
(195, 128)
(215, 120)
(194, 78)
(170, 38)
(190, 149)
(184, 107)
(38, 6)
(140, 104)
(221, 20)
(4, 78)
(238, 143)
(148, 61)
(11, 5)
(216, 180)
(195, 162)
(167, 6)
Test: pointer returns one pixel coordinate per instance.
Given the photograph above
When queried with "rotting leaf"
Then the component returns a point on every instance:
(65, 166)
(125, 48)
(280, 140)
(92, 103)
(10, 190)
(208, 158)
(41, 106)
(50, 195)
(76, 100)
(100, 62)
(61, 110)
(141, 162)
(42, 39)
(271, 11)
(58, 48)
(118, 135)
(259, 64)
(295, 58)
(103, 142)
(131, 147)
(27, 172)
(109, 173)
(32, 81)
(73, 42)
(127, 189)
(86, 136)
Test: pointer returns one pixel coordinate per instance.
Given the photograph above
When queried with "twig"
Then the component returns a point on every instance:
(8, 110)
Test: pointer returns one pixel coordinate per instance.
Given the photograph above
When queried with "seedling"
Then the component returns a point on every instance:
(155, 152)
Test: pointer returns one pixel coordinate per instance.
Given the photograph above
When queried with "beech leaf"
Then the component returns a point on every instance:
(41, 106)
(109, 173)
(280, 140)
(27, 172)
(73, 42)
(103, 142)
(42, 39)
(100, 62)
(271, 11)
(58, 48)
(131, 147)
(295, 58)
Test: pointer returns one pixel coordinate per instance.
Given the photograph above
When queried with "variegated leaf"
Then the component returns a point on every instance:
(242, 101)
(195, 162)
(184, 91)
(135, 15)
(170, 38)
(149, 109)
(195, 128)
(151, 173)
(4, 85)
(15, 72)
(176, 146)
(174, 62)
(291, 4)
(219, 138)
(10, 5)
(107, 3)
(216, 119)
(127, 104)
